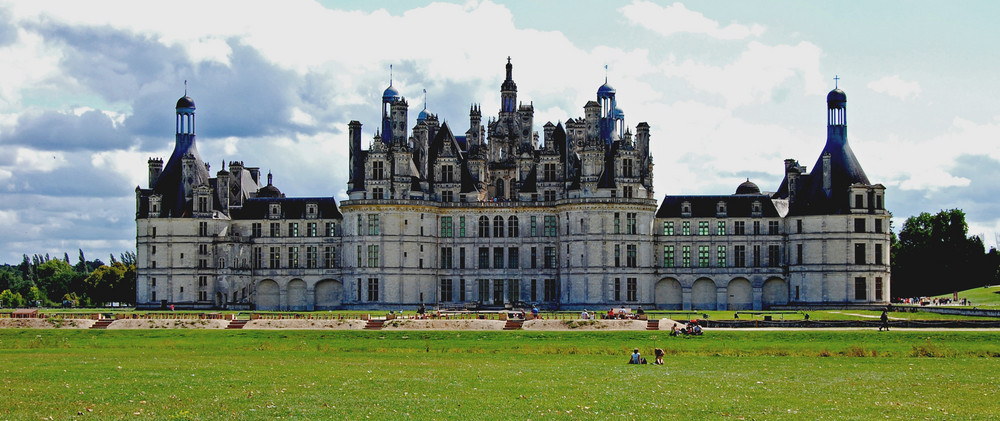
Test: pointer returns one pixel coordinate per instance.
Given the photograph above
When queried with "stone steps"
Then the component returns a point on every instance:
(652, 324)
(374, 324)
(102, 324)
(513, 324)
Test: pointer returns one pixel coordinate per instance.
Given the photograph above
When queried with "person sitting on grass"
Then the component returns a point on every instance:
(659, 356)
(696, 330)
(636, 357)
(674, 330)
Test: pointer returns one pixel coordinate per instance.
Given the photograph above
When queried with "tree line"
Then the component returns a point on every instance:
(934, 255)
(43, 281)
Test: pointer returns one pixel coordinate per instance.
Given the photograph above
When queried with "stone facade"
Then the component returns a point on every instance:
(494, 217)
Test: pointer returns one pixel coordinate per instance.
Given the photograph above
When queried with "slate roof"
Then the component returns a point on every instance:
(291, 208)
(738, 206)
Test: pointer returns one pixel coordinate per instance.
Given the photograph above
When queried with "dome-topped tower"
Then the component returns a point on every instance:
(747, 187)
(836, 105)
(508, 91)
(184, 170)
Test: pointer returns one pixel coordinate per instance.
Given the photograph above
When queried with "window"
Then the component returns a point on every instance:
(275, 258)
(739, 256)
(627, 192)
(311, 229)
(859, 224)
(720, 228)
(798, 253)
(878, 254)
(618, 255)
(461, 289)
(878, 288)
(550, 257)
(461, 257)
(550, 226)
(632, 288)
(739, 228)
(378, 170)
(631, 255)
(328, 257)
(878, 226)
(550, 290)
(627, 168)
(202, 248)
(378, 192)
(703, 256)
(878, 201)
(255, 230)
(512, 227)
(860, 288)
(702, 227)
(498, 258)
(668, 228)
(152, 296)
(484, 227)
(859, 201)
(373, 256)
(773, 256)
(373, 224)
(618, 289)
(446, 290)
(798, 226)
(484, 257)
(549, 195)
(293, 257)
(534, 257)
(203, 229)
(668, 256)
(360, 255)
(686, 256)
(534, 227)
(311, 257)
(630, 223)
(447, 196)
(859, 253)
(484, 290)
(293, 229)
(686, 228)
(461, 226)
(361, 227)
(772, 227)
(756, 256)
(720, 256)
(446, 257)
(447, 174)
(153, 233)
(549, 172)
(372, 289)
(446, 226)
(498, 226)
(275, 229)
(618, 223)
(756, 227)
(534, 290)
(513, 257)
(152, 282)
(257, 257)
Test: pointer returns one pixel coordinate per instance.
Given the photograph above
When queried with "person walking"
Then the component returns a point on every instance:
(885, 321)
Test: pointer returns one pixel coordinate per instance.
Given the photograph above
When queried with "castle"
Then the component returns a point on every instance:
(495, 217)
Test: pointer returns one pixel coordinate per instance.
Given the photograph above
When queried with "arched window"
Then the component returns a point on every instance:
(484, 227)
(512, 227)
(500, 191)
(498, 226)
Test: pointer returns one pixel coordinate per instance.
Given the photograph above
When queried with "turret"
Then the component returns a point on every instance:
(642, 140)
(355, 167)
(398, 121)
(155, 168)
(475, 127)
(508, 93)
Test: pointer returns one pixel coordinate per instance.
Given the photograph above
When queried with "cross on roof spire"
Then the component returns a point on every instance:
(390, 75)
(836, 80)
(185, 87)
(605, 73)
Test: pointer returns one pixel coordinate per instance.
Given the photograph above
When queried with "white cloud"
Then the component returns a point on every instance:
(896, 87)
(38, 161)
(673, 19)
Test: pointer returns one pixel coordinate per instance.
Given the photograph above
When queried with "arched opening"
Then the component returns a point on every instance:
(703, 294)
(739, 295)
(268, 295)
(297, 295)
(329, 293)
(667, 294)
(774, 292)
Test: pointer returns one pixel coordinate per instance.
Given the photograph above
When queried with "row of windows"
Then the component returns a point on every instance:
(705, 228)
(312, 229)
(704, 258)
(313, 258)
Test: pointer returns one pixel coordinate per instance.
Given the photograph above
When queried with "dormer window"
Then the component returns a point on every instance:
(686, 209)
(720, 209)
(859, 201)
(756, 208)
(275, 211)
(312, 210)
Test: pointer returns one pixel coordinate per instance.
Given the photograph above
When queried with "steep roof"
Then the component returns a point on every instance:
(291, 208)
(738, 206)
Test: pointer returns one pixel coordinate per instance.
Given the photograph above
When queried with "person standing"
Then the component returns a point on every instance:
(885, 321)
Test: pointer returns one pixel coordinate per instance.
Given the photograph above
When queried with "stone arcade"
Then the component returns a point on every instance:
(493, 217)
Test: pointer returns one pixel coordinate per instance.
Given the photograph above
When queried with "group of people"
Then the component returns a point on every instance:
(689, 329)
(637, 358)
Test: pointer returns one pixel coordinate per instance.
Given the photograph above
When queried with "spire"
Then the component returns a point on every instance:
(836, 81)
(425, 98)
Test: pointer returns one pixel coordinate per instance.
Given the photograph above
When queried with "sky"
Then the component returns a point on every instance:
(729, 88)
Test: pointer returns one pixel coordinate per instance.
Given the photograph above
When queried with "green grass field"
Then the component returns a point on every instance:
(191, 374)
(979, 297)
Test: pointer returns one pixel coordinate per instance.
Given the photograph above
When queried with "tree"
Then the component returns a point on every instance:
(112, 283)
(935, 255)
(9, 298)
(55, 278)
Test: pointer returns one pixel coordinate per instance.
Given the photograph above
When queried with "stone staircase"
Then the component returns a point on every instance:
(102, 324)
(513, 324)
(374, 324)
(237, 324)
(652, 324)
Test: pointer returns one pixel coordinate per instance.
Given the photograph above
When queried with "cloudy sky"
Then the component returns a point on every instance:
(729, 88)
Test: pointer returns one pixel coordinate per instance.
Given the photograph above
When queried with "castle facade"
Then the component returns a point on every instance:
(497, 217)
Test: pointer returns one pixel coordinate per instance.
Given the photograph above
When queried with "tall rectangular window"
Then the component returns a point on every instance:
(446, 229)
(361, 227)
(550, 226)
(668, 228)
(373, 256)
(275, 229)
(293, 257)
(756, 227)
(618, 289)
(446, 290)
(798, 253)
(257, 257)
(461, 259)
(484, 290)
(686, 228)
(631, 289)
(618, 255)
(720, 256)
(739, 256)
(534, 257)
(878, 288)
(550, 290)
(630, 223)
(859, 254)
(255, 230)
(878, 226)
(702, 227)
(860, 288)
(618, 223)
(331, 229)
(631, 256)
(739, 228)
(550, 257)
(446, 257)
(756, 256)
(461, 227)
(293, 229)
(772, 227)
(311, 230)
(484, 257)
(720, 228)
(534, 290)
(534, 227)
(798, 226)
(773, 256)
(274, 260)
(878, 254)
(378, 170)
(328, 257)
(461, 290)
(311, 257)
(859, 225)
(498, 258)
(668, 256)
(203, 229)
(686, 256)
(703, 256)
(513, 257)
(361, 255)
(372, 289)
(373, 224)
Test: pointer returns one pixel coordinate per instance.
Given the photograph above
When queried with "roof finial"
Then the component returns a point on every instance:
(425, 98)
(836, 80)
(185, 87)
(508, 59)
(605, 73)
(390, 75)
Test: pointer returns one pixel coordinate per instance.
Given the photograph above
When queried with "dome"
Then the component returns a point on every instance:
(618, 113)
(747, 187)
(390, 94)
(269, 191)
(423, 115)
(836, 98)
(605, 90)
(185, 102)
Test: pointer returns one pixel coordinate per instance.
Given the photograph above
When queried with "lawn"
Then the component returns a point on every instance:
(179, 374)
(979, 297)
